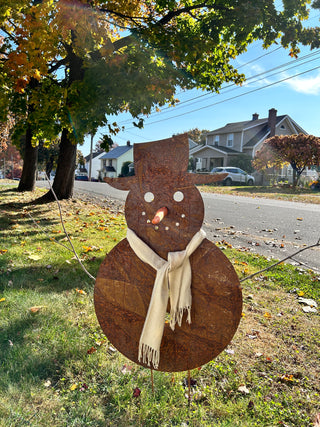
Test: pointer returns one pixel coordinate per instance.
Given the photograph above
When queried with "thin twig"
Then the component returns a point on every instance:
(282, 260)
(66, 233)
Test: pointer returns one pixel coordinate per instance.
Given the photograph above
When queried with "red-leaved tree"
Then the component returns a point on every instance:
(300, 151)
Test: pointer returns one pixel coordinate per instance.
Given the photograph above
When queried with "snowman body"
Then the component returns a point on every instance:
(125, 283)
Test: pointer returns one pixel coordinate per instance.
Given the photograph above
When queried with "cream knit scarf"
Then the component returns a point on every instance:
(173, 280)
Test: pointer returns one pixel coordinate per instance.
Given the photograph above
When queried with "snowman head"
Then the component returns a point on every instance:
(164, 207)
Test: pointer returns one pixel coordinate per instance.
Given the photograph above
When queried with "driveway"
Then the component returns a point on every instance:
(273, 228)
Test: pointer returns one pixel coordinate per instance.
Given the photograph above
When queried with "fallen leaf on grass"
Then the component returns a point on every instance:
(73, 387)
(84, 387)
(317, 420)
(111, 350)
(308, 309)
(80, 291)
(243, 389)
(34, 257)
(91, 350)
(2, 299)
(37, 308)
(136, 392)
(289, 379)
(126, 369)
(307, 301)
(267, 315)
(3, 251)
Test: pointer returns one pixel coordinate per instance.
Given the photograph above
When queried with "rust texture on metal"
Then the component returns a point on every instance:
(124, 283)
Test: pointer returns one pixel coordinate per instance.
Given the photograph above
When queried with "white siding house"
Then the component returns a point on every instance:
(112, 162)
(96, 164)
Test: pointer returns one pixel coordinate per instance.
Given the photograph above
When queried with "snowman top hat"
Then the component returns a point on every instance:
(168, 157)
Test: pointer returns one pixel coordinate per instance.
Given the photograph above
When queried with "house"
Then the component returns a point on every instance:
(225, 144)
(112, 162)
(96, 163)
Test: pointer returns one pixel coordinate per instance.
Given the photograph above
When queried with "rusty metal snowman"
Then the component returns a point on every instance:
(165, 296)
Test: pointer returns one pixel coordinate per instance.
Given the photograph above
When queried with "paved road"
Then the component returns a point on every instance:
(272, 228)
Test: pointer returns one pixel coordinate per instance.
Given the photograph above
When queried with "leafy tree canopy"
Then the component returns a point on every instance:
(77, 61)
(300, 151)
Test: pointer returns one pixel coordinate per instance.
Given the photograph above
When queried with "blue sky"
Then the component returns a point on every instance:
(274, 80)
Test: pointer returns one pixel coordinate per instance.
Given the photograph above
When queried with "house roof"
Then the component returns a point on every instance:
(94, 155)
(240, 126)
(192, 144)
(262, 133)
(117, 152)
(215, 148)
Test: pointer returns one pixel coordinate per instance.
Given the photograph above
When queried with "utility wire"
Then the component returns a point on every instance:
(233, 97)
(289, 65)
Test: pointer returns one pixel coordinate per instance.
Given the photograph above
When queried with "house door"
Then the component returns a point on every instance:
(216, 162)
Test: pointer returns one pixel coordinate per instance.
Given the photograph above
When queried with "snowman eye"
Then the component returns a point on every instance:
(149, 197)
(178, 196)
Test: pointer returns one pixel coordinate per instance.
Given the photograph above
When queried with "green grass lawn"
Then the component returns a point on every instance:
(280, 192)
(58, 368)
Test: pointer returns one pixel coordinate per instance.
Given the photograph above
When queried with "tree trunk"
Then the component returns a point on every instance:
(294, 178)
(63, 183)
(30, 162)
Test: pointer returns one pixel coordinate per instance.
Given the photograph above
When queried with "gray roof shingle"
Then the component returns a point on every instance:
(239, 126)
(117, 152)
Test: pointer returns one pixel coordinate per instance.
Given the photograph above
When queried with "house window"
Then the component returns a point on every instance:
(230, 140)
(216, 140)
(282, 127)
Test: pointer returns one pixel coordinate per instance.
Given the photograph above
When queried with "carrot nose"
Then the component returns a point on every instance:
(160, 214)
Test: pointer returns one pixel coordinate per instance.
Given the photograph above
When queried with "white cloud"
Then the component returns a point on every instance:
(305, 85)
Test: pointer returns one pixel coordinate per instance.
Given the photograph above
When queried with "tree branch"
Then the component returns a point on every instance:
(57, 65)
(133, 19)
(282, 260)
(8, 34)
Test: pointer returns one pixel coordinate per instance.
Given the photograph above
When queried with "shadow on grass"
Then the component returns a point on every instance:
(44, 279)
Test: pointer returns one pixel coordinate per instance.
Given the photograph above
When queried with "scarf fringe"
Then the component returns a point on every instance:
(177, 315)
(149, 355)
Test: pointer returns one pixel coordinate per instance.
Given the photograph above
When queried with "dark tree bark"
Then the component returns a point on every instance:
(64, 180)
(63, 183)
(30, 163)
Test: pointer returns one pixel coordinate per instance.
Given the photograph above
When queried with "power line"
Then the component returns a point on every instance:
(195, 100)
(233, 97)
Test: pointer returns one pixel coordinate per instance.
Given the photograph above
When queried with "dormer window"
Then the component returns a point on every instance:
(216, 140)
(230, 140)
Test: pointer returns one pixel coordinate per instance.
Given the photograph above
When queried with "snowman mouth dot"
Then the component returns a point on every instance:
(143, 213)
(148, 221)
(177, 224)
(183, 215)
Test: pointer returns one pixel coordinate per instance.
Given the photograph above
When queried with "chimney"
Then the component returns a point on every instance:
(272, 120)
(128, 143)
(255, 116)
